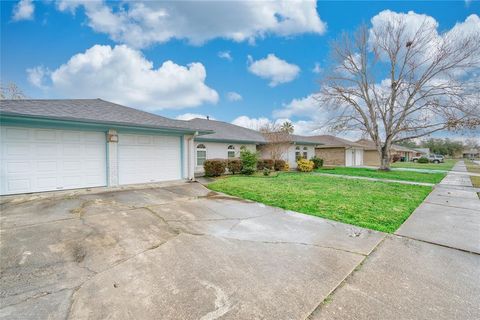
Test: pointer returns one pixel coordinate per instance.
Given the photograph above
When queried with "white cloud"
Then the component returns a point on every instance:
(125, 76)
(142, 23)
(304, 107)
(23, 10)
(234, 96)
(306, 128)
(274, 69)
(37, 75)
(225, 55)
(190, 116)
(316, 68)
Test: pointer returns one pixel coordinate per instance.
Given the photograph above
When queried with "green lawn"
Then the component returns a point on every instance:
(474, 168)
(376, 205)
(394, 175)
(447, 165)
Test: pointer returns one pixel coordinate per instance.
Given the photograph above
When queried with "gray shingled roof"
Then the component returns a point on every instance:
(332, 141)
(227, 131)
(92, 111)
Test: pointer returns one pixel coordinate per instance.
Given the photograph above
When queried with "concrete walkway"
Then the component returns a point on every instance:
(375, 179)
(430, 268)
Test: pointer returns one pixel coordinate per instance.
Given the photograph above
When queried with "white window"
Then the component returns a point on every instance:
(201, 154)
(297, 153)
(231, 151)
(305, 153)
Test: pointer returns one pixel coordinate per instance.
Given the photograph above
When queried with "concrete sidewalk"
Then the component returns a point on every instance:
(430, 269)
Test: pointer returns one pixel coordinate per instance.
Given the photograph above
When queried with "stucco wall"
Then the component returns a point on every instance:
(371, 158)
(218, 150)
(331, 156)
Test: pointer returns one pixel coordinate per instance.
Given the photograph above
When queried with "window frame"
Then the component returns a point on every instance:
(230, 149)
(200, 148)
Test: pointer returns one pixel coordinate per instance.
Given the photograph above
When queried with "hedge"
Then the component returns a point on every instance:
(214, 167)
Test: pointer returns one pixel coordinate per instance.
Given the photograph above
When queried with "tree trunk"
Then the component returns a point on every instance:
(384, 159)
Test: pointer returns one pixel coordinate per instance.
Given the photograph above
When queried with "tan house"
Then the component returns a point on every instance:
(371, 157)
(337, 151)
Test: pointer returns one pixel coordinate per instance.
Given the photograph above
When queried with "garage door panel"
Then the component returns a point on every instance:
(37, 159)
(45, 135)
(20, 134)
(148, 158)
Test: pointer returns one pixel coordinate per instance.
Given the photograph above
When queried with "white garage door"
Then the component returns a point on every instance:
(148, 158)
(35, 159)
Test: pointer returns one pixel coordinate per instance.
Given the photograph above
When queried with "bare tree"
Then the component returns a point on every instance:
(11, 91)
(278, 140)
(397, 81)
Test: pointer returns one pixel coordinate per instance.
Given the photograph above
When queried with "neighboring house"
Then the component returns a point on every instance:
(337, 151)
(66, 144)
(421, 152)
(225, 142)
(372, 157)
(471, 154)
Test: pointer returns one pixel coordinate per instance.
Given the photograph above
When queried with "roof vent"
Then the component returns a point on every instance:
(208, 117)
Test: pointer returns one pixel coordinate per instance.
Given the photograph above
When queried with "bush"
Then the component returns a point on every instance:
(396, 158)
(269, 163)
(286, 167)
(260, 165)
(317, 162)
(305, 165)
(266, 171)
(280, 165)
(214, 167)
(234, 166)
(422, 160)
(249, 161)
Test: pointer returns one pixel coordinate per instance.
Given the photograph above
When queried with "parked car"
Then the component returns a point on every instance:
(436, 158)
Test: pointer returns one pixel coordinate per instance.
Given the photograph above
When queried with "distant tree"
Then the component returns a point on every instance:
(446, 146)
(399, 81)
(11, 91)
(287, 127)
(408, 143)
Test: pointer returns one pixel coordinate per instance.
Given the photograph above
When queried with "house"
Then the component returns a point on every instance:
(471, 154)
(224, 142)
(421, 152)
(227, 139)
(372, 157)
(337, 151)
(66, 144)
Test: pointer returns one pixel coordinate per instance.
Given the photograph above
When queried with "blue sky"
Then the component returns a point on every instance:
(38, 38)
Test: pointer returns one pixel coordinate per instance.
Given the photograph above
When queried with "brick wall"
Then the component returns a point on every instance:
(371, 158)
(331, 156)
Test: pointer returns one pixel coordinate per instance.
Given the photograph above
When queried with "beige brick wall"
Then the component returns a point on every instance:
(331, 156)
(371, 158)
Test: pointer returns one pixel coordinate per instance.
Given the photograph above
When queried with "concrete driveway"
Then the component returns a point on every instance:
(178, 252)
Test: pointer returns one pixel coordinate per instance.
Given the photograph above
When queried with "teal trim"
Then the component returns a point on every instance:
(84, 125)
(182, 161)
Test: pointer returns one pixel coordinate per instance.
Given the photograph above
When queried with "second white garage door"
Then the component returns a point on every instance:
(148, 158)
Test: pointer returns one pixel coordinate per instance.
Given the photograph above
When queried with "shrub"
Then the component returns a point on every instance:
(317, 162)
(305, 165)
(266, 171)
(260, 165)
(280, 165)
(214, 167)
(234, 165)
(422, 160)
(286, 167)
(249, 160)
(396, 158)
(269, 163)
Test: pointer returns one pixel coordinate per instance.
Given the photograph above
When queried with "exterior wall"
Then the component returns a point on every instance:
(218, 150)
(331, 156)
(371, 158)
(290, 157)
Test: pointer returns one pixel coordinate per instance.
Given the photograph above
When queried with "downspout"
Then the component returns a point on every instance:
(190, 157)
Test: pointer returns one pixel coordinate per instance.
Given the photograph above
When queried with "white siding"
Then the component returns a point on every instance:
(218, 150)
(289, 155)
